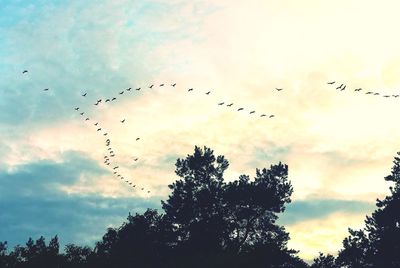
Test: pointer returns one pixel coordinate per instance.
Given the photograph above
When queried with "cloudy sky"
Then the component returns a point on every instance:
(339, 144)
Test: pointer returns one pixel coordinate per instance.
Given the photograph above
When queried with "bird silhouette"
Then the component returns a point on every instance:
(25, 71)
(122, 121)
(376, 93)
(76, 109)
(96, 123)
(190, 89)
(82, 113)
(84, 95)
(151, 86)
(358, 89)
(386, 96)
(138, 88)
(128, 89)
(343, 88)
(98, 129)
(174, 84)
(229, 105)
(252, 112)
(279, 89)
(221, 103)
(369, 92)
(148, 192)
(46, 89)
(122, 92)
(107, 100)
(142, 189)
(161, 85)
(87, 118)
(113, 99)
(96, 103)
(271, 116)
(240, 109)
(339, 87)
(105, 134)
(137, 139)
(396, 96)
(136, 159)
(208, 93)
(331, 83)
(115, 167)
(263, 115)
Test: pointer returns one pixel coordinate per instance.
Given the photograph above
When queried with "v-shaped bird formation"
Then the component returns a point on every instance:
(109, 158)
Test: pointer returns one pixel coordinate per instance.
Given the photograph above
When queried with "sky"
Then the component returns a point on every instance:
(339, 144)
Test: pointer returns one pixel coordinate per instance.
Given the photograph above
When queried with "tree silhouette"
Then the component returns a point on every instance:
(324, 261)
(378, 244)
(213, 218)
(207, 222)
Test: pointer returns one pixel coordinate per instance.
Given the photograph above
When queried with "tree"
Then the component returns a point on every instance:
(324, 261)
(378, 244)
(212, 217)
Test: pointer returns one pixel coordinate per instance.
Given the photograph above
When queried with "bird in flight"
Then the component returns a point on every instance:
(113, 99)
(115, 167)
(331, 83)
(128, 89)
(161, 85)
(358, 89)
(208, 93)
(263, 115)
(151, 86)
(87, 118)
(190, 89)
(46, 89)
(271, 116)
(98, 129)
(221, 103)
(343, 88)
(137, 139)
(174, 84)
(107, 100)
(138, 88)
(339, 87)
(96, 123)
(84, 95)
(105, 134)
(369, 92)
(82, 113)
(25, 71)
(386, 96)
(279, 89)
(252, 112)
(240, 109)
(229, 105)
(136, 159)
(122, 92)
(76, 109)
(376, 93)
(122, 121)
(396, 96)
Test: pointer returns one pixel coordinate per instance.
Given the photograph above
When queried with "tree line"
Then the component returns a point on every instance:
(209, 222)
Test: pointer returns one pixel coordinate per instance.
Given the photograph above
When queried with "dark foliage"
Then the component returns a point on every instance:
(378, 244)
(207, 222)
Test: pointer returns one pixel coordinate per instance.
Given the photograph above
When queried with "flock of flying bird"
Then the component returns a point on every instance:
(342, 87)
(110, 154)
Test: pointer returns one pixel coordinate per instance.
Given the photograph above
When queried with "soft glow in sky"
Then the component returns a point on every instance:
(338, 144)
